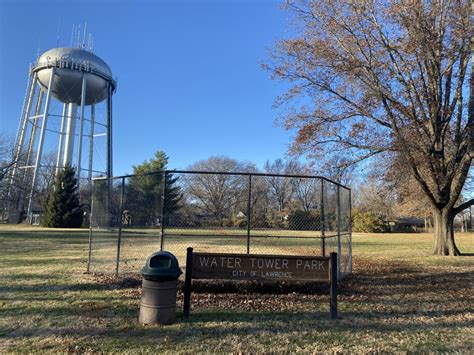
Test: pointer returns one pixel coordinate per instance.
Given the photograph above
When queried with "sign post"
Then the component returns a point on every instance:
(187, 282)
(260, 267)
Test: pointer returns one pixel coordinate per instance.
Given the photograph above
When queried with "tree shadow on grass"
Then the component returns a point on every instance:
(66, 287)
(75, 233)
(224, 323)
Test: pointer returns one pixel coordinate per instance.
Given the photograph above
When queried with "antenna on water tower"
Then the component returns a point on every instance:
(57, 33)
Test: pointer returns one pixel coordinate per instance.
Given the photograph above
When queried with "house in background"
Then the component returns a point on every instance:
(408, 224)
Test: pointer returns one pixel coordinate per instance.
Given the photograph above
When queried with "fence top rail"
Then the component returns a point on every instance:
(223, 235)
(223, 173)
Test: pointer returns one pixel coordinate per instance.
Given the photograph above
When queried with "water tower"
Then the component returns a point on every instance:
(75, 81)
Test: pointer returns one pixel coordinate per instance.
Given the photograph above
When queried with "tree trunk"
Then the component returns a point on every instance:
(443, 230)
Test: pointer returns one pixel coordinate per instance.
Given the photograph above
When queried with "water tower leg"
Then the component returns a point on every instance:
(61, 140)
(91, 146)
(81, 129)
(109, 132)
(22, 132)
(34, 127)
(40, 146)
(31, 82)
(30, 151)
(70, 132)
(109, 153)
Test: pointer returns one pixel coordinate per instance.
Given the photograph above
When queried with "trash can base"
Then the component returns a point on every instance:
(158, 302)
(150, 316)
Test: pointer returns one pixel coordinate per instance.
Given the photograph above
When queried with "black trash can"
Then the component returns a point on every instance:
(159, 287)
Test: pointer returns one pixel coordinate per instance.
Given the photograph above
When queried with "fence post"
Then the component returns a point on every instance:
(187, 283)
(119, 239)
(163, 205)
(322, 221)
(338, 216)
(90, 224)
(333, 286)
(350, 231)
(249, 211)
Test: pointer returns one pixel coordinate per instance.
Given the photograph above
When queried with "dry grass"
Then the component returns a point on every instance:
(400, 298)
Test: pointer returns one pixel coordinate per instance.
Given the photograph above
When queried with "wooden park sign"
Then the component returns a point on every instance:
(260, 267)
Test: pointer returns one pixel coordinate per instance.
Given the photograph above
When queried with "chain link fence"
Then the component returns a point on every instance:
(133, 216)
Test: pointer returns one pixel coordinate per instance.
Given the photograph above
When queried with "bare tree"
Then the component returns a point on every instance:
(280, 188)
(15, 188)
(7, 162)
(385, 77)
(10, 186)
(284, 190)
(7, 159)
(217, 194)
(307, 193)
(374, 195)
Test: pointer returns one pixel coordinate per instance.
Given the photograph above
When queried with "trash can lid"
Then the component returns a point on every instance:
(161, 266)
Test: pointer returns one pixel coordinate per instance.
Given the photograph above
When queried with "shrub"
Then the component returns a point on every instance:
(276, 220)
(367, 222)
(240, 223)
(304, 220)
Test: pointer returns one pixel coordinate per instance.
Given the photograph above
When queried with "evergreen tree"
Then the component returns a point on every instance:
(144, 191)
(173, 195)
(62, 208)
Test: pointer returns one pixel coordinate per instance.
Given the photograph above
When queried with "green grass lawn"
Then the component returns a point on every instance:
(400, 298)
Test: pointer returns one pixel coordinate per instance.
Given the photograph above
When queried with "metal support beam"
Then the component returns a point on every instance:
(60, 145)
(109, 132)
(40, 145)
(34, 128)
(322, 221)
(91, 219)
(338, 215)
(30, 152)
(119, 237)
(187, 283)
(350, 232)
(249, 212)
(163, 209)
(81, 129)
(22, 132)
(109, 145)
(333, 285)
(30, 83)
(70, 134)
(91, 146)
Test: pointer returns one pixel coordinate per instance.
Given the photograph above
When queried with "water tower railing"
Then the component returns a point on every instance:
(69, 64)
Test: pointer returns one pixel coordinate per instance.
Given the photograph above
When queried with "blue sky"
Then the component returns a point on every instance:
(189, 76)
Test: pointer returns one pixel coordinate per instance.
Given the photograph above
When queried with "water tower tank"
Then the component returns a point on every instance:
(70, 64)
